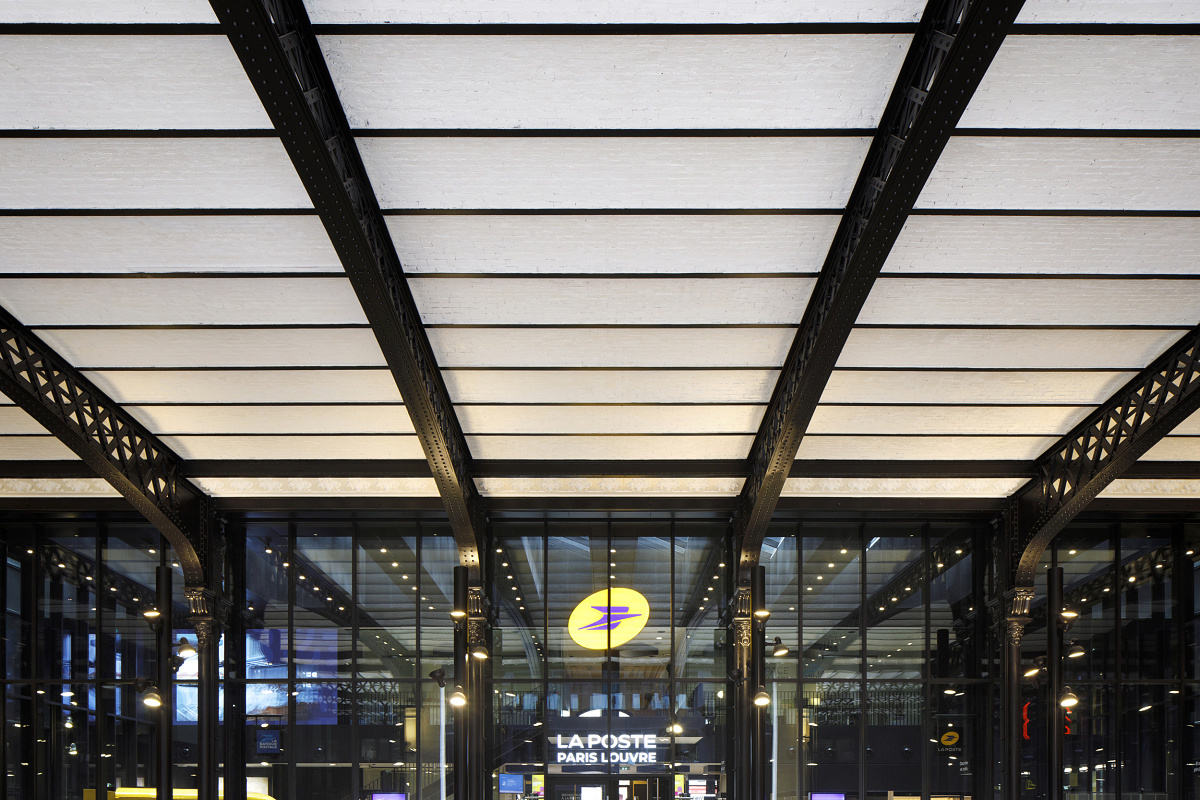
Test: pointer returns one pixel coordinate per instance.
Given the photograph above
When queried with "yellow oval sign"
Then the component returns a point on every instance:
(605, 620)
(950, 738)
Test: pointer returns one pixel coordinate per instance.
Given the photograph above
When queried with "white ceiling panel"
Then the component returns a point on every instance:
(292, 243)
(982, 301)
(181, 301)
(1098, 82)
(947, 420)
(901, 487)
(550, 82)
(149, 173)
(610, 386)
(56, 487)
(1189, 427)
(989, 172)
(592, 243)
(1005, 349)
(920, 448)
(1175, 448)
(14, 421)
(99, 348)
(610, 347)
(613, 172)
(295, 447)
(611, 301)
(136, 82)
(610, 11)
(1048, 245)
(318, 487)
(1022, 388)
(1110, 11)
(608, 419)
(608, 486)
(274, 419)
(132, 387)
(108, 11)
(602, 448)
(34, 448)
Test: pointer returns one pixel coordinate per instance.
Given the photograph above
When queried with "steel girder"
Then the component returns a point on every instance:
(118, 448)
(954, 45)
(281, 56)
(1099, 450)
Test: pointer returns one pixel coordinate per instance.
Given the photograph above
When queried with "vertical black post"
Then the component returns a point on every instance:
(1054, 716)
(207, 636)
(740, 767)
(760, 758)
(235, 664)
(461, 680)
(471, 657)
(1018, 601)
(166, 688)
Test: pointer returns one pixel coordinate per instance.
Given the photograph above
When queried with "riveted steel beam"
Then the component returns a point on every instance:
(281, 56)
(1099, 450)
(952, 49)
(114, 445)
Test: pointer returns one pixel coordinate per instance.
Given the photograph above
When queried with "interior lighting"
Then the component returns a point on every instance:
(185, 648)
(480, 652)
(1029, 673)
(458, 699)
(675, 727)
(762, 699)
(781, 649)
(1076, 650)
(151, 613)
(1146, 707)
(1068, 699)
(152, 700)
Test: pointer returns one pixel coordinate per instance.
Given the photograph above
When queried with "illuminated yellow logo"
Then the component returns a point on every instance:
(608, 618)
(950, 738)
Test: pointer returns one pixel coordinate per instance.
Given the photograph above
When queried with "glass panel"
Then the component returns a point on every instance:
(1147, 604)
(577, 568)
(131, 557)
(783, 738)
(956, 744)
(642, 563)
(1086, 556)
(1148, 757)
(436, 771)
(831, 601)
(1089, 747)
(387, 601)
(521, 731)
(895, 610)
(439, 557)
(268, 564)
(832, 716)
(700, 711)
(782, 562)
(322, 564)
(518, 593)
(958, 625)
(895, 724)
(699, 564)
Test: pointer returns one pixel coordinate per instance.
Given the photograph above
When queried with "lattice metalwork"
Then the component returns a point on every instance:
(1102, 447)
(283, 60)
(954, 45)
(114, 444)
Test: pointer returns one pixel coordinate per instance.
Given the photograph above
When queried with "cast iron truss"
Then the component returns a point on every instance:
(283, 60)
(1100, 449)
(952, 49)
(114, 444)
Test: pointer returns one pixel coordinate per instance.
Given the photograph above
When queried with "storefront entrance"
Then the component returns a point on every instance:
(608, 787)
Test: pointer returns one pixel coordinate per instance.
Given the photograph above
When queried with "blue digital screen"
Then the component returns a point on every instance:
(268, 741)
(512, 784)
(387, 796)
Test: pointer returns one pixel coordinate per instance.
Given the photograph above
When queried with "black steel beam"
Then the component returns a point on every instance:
(281, 56)
(954, 44)
(113, 444)
(1101, 449)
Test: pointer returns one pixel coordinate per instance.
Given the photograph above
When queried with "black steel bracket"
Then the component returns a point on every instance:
(279, 51)
(952, 49)
(1100, 449)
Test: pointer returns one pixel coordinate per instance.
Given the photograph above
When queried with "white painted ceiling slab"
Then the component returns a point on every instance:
(983, 301)
(1048, 245)
(170, 173)
(1189, 427)
(613, 172)
(901, 487)
(181, 301)
(1175, 448)
(1005, 349)
(610, 347)
(610, 11)
(610, 386)
(1110, 11)
(60, 487)
(608, 419)
(34, 448)
(612, 486)
(604, 244)
(295, 447)
(108, 11)
(133, 387)
(1022, 388)
(920, 448)
(947, 420)
(274, 419)
(125, 82)
(602, 82)
(1177, 488)
(318, 487)
(1097, 82)
(609, 447)
(1060, 173)
(100, 348)
(14, 421)
(611, 301)
(277, 243)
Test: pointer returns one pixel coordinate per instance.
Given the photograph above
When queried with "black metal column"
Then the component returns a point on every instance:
(1054, 715)
(1017, 602)
(739, 768)
(208, 634)
(235, 676)
(471, 676)
(165, 684)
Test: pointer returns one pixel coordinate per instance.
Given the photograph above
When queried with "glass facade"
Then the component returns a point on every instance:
(610, 658)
